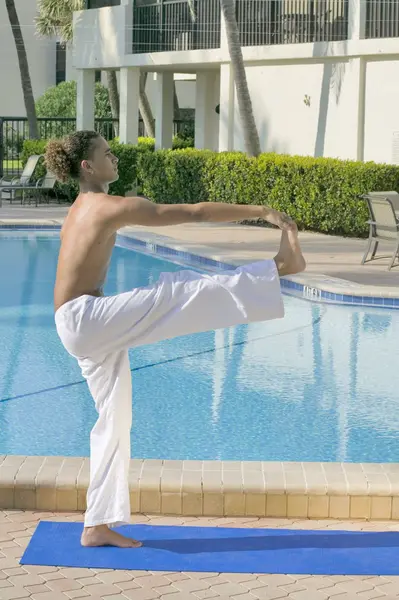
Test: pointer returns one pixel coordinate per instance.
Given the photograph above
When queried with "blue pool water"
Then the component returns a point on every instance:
(322, 384)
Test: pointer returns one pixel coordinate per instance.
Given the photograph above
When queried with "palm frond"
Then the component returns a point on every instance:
(55, 18)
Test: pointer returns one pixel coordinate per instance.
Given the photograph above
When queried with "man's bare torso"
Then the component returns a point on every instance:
(87, 240)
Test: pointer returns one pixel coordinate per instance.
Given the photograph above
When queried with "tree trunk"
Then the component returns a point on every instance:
(250, 132)
(23, 69)
(145, 108)
(113, 93)
(176, 108)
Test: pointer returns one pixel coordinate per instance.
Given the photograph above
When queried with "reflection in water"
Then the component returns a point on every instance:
(222, 352)
(320, 384)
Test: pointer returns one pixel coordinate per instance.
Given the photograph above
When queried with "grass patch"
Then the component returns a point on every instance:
(12, 164)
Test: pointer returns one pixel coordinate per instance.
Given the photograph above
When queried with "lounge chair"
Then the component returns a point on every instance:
(17, 183)
(42, 189)
(384, 223)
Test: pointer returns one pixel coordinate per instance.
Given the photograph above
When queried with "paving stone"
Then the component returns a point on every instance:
(77, 594)
(64, 585)
(52, 576)
(357, 585)
(373, 595)
(277, 580)
(12, 593)
(240, 577)
(165, 590)
(37, 589)
(26, 579)
(309, 595)
(143, 594)
(269, 593)
(192, 585)
(246, 596)
(49, 596)
(102, 590)
(389, 589)
(205, 594)
(88, 581)
(228, 589)
(76, 573)
(115, 576)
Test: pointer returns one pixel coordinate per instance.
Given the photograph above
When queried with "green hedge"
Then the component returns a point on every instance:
(321, 194)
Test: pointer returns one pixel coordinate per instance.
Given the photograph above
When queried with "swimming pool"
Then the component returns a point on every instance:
(320, 385)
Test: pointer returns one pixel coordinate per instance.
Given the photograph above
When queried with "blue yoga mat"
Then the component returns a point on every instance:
(221, 550)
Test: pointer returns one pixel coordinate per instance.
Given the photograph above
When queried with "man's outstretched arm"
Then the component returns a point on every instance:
(140, 211)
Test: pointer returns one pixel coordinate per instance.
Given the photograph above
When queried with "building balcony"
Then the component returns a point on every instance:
(154, 26)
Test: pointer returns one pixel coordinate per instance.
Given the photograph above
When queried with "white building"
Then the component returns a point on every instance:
(323, 74)
(49, 64)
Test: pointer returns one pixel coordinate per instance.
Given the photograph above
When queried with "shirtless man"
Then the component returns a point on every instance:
(98, 330)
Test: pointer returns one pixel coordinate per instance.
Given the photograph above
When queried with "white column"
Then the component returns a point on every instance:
(128, 25)
(226, 113)
(129, 84)
(356, 19)
(359, 65)
(85, 99)
(164, 111)
(206, 119)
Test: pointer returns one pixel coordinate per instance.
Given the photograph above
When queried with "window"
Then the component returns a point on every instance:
(102, 3)
(98, 77)
(60, 64)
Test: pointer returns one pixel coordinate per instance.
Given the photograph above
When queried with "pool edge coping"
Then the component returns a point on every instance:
(210, 488)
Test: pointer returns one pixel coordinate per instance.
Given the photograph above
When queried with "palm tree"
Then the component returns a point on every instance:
(251, 136)
(23, 69)
(55, 18)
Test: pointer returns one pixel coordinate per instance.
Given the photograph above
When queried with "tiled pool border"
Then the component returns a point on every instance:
(214, 488)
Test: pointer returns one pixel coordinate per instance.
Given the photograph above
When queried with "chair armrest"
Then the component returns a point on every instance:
(385, 227)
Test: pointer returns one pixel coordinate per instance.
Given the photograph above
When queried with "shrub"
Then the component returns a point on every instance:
(321, 194)
(60, 101)
(171, 176)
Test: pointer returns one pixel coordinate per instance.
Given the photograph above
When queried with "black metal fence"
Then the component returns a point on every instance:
(15, 130)
(165, 25)
(263, 22)
(382, 18)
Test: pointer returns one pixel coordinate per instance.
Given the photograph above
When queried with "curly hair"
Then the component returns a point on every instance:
(63, 157)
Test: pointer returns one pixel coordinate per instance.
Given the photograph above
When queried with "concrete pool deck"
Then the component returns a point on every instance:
(212, 488)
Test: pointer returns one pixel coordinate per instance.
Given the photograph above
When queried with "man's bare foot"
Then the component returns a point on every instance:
(102, 535)
(289, 259)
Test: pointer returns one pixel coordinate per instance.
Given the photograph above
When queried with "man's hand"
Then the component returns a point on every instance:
(280, 219)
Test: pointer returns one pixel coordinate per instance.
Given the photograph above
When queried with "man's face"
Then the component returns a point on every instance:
(103, 164)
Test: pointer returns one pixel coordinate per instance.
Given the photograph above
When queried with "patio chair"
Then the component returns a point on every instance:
(42, 189)
(17, 183)
(384, 224)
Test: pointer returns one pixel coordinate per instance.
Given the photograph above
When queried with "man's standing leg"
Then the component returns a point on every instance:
(110, 384)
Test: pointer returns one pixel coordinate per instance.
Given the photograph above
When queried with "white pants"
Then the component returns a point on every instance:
(99, 332)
